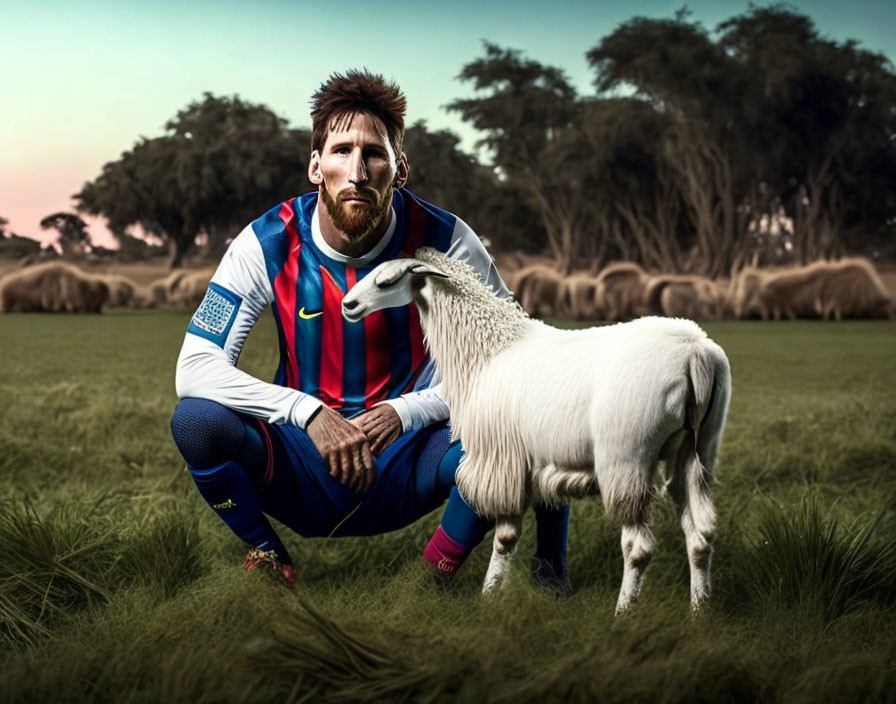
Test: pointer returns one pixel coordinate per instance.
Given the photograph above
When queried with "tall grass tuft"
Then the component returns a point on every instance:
(50, 566)
(164, 554)
(805, 558)
(329, 662)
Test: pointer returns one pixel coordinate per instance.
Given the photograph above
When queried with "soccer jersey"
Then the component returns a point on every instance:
(281, 260)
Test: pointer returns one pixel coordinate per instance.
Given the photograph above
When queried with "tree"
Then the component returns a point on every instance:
(529, 116)
(222, 162)
(73, 237)
(442, 173)
(832, 127)
(677, 69)
(14, 246)
(768, 117)
(643, 186)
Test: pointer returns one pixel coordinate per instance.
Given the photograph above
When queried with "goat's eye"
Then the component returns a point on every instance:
(385, 280)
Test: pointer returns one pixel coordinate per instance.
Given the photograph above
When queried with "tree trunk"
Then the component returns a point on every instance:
(180, 247)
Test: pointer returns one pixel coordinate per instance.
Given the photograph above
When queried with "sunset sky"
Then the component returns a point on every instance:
(83, 80)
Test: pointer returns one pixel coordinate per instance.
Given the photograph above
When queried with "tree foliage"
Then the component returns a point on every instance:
(72, 237)
(769, 118)
(442, 173)
(221, 163)
(13, 246)
(700, 150)
(530, 117)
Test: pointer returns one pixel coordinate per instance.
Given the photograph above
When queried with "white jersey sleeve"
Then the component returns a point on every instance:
(426, 404)
(206, 368)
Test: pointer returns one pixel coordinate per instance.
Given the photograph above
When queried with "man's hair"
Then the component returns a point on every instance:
(356, 92)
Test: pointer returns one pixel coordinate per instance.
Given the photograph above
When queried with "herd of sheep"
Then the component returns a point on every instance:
(622, 291)
(59, 287)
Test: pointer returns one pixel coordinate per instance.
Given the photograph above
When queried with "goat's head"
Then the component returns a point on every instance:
(393, 283)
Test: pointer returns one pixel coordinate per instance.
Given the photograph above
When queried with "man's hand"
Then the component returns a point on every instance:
(381, 425)
(344, 448)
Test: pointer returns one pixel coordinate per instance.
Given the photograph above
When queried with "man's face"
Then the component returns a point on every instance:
(356, 171)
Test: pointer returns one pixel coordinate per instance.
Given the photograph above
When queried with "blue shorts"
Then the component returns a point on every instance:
(303, 496)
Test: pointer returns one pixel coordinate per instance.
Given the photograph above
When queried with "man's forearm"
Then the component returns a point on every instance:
(203, 371)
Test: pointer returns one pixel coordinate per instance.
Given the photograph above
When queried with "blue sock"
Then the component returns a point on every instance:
(462, 523)
(461, 528)
(459, 521)
(227, 458)
(229, 492)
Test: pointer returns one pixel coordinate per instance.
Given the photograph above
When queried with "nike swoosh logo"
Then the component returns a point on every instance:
(308, 316)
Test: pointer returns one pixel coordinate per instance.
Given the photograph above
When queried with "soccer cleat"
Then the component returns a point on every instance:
(546, 576)
(257, 557)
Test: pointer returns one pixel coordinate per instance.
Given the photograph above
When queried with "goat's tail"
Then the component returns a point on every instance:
(710, 380)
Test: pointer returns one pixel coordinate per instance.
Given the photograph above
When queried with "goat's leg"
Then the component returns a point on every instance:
(697, 515)
(699, 558)
(626, 488)
(637, 549)
(507, 534)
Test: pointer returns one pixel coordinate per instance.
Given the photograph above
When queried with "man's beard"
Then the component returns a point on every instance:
(357, 221)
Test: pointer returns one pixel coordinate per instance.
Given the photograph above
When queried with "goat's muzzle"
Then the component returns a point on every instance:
(350, 311)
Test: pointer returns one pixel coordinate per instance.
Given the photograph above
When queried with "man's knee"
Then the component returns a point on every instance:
(436, 466)
(206, 433)
(448, 465)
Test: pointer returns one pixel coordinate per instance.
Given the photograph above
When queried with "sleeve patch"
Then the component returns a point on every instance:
(215, 315)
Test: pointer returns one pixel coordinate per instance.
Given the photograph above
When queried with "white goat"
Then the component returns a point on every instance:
(548, 414)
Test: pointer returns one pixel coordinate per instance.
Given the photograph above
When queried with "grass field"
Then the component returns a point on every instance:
(117, 583)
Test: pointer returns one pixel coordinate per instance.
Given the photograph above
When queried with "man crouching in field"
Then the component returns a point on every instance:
(350, 439)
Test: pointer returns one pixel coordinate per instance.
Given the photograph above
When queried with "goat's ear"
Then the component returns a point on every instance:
(393, 273)
(421, 269)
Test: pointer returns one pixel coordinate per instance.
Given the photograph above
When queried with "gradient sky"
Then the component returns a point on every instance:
(81, 81)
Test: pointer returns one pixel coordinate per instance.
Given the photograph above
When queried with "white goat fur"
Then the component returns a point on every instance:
(546, 414)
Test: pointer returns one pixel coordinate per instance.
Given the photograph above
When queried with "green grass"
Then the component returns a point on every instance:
(117, 583)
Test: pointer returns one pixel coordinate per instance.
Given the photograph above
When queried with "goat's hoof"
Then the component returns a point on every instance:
(699, 607)
(624, 607)
(491, 590)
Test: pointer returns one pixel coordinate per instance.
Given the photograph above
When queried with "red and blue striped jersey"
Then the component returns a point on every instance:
(348, 366)
(281, 260)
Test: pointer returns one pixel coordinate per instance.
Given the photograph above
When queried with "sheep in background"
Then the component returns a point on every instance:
(161, 290)
(545, 414)
(578, 297)
(683, 296)
(852, 288)
(191, 288)
(743, 297)
(181, 288)
(54, 287)
(124, 293)
(846, 288)
(794, 293)
(620, 290)
(537, 288)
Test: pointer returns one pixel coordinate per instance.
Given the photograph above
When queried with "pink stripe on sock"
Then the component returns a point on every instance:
(445, 553)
